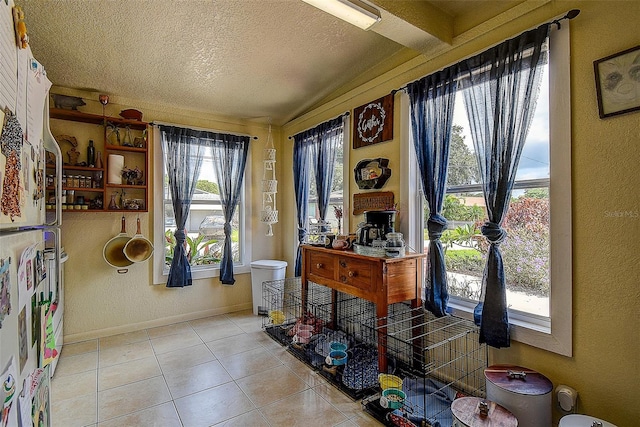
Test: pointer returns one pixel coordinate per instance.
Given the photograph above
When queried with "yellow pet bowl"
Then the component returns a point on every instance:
(276, 316)
(389, 381)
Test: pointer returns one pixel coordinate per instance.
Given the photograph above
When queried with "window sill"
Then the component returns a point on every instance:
(526, 328)
(207, 273)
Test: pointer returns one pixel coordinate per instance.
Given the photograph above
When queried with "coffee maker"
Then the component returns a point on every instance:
(376, 225)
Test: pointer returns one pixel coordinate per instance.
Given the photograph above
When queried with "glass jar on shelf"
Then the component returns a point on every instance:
(394, 246)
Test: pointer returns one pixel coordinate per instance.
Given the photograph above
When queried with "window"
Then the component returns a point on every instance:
(526, 250)
(205, 223)
(336, 199)
(537, 252)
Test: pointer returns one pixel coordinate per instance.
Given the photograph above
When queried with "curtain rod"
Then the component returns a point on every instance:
(201, 129)
(345, 114)
(569, 15)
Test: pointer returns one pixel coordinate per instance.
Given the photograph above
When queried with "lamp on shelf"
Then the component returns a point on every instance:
(355, 12)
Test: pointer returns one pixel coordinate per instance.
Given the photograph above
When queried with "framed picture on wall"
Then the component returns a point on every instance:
(373, 122)
(618, 82)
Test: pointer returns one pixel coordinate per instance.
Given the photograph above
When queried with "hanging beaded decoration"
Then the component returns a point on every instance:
(269, 213)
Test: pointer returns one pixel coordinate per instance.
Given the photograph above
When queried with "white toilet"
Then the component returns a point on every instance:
(575, 420)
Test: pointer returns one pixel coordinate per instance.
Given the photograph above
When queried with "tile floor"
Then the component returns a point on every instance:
(218, 371)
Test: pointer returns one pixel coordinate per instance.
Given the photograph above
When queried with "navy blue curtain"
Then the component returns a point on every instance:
(327, 138)
(183, 159)
(229, 162)
(301, 148)
(316, 147)
(500, 88)
(432, 99)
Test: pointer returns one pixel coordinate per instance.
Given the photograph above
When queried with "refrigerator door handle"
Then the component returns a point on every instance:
(51, 144)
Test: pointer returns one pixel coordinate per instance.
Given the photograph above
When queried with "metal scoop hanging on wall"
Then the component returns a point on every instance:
(113, 253)
(138, 248)
(269, 213)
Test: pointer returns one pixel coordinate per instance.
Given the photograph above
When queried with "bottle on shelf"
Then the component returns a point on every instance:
(99, 160)
(91, 155)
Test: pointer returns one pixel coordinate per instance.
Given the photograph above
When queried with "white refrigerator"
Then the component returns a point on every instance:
(31, 279)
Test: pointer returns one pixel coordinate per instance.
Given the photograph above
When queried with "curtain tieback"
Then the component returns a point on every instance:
(227, 229)
(436, 225)
(180, 236)
(494, 233)
(301, 234)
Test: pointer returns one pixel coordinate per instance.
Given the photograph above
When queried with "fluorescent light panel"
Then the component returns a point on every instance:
(354, 12)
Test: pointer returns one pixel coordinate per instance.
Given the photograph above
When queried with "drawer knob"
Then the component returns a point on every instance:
(343, 264)
(319, 265)
(352, 274)
(343, 279)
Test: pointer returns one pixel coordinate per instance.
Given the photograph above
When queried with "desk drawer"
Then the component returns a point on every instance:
(357, 273)
(321, 264)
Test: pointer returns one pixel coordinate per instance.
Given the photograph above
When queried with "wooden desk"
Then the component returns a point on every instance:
(382, 281)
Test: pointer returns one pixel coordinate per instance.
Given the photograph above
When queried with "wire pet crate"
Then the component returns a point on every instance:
(359, 375)
(437, 359)
(285, 314)
(329, 317)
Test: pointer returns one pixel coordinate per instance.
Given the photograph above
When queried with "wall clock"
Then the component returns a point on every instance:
(373, 122)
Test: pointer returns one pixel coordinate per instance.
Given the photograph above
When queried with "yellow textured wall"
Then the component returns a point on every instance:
(605, 364)
(606, 283)
(99, 301)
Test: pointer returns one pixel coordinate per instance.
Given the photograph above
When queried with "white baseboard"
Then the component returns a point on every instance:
(132, 327)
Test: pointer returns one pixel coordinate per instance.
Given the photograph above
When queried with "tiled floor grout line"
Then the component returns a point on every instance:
(285, 360)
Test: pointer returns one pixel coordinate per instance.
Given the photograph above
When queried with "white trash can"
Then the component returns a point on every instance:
(264, 270)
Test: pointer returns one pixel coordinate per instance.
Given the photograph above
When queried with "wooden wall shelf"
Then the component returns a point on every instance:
(75, 123)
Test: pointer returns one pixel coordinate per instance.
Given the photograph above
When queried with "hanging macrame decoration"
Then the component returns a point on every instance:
(269, 213)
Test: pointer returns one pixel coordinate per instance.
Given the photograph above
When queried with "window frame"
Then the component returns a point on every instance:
(554, 333)
(243, 210)
(346, 186)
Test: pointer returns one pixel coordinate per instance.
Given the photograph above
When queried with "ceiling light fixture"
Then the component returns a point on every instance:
(354, 12)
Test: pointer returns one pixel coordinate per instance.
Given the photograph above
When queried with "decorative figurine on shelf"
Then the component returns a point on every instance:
(96, 203)
(73, 153)
(132, 176)
(67, 102)
(138, 141)
(131, 114)
(73, 156)
(112, 203)
(113, 134)
(22, 39)
(337, 210)
(127, 140)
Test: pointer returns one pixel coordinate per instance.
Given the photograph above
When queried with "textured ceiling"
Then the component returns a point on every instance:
(251, 59)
